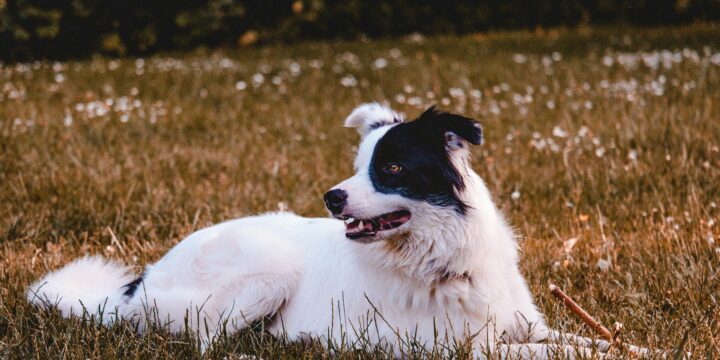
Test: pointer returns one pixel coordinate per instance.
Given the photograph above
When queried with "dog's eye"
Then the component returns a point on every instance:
(392, 168)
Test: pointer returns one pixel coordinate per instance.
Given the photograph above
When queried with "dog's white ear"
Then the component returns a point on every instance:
(370, 116)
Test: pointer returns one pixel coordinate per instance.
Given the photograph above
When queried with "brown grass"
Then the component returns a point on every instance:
(614, 189)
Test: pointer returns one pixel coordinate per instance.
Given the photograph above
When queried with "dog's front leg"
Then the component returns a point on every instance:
(539, 351)
(602, 345)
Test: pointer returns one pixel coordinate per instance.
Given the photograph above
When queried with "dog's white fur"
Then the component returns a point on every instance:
(437, 279)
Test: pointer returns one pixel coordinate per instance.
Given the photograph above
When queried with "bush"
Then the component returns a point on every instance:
(77, 28)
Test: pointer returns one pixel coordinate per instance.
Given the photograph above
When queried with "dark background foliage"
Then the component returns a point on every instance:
(78, 28)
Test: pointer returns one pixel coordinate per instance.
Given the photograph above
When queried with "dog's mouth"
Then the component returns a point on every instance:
(365, 228)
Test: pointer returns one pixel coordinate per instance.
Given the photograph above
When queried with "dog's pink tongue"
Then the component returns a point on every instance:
(367, 225)
(394, 220)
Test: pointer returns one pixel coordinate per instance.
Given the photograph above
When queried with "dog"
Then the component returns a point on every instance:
(415, 252)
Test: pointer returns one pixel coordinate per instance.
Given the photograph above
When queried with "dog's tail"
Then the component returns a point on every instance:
(90, 284)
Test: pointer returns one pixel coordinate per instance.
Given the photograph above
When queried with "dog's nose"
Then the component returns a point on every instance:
(335, 200)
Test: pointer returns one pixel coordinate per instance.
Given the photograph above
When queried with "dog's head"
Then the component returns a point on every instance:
(404, 170)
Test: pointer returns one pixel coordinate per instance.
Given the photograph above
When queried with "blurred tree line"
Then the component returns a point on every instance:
(76, 28)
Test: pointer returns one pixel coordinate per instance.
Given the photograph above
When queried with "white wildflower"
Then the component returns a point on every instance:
(258, 79)
(415, 101)
(600, 152)
(604, 265)
(294, 68)
(632, 155)
(348, 81)
(519, 58)
(456, 92)
(379, 63)
(559, 132)
(569, 244)
(607, 60)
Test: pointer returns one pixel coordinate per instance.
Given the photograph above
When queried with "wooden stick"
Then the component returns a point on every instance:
(582, 314)
(613, 338)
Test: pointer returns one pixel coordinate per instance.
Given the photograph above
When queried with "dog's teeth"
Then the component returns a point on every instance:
(361, 224)
(349, 220)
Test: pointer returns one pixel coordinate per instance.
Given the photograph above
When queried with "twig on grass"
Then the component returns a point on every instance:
(582, 314)
(613, 338)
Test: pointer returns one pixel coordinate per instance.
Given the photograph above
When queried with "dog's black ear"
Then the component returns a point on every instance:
(456, 128)
(370, 116)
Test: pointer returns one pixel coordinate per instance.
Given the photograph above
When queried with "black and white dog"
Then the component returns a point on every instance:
(417, 251)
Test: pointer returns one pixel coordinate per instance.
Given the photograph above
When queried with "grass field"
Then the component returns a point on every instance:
(602, 147)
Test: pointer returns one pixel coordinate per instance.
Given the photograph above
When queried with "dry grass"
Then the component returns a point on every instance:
(605, 161)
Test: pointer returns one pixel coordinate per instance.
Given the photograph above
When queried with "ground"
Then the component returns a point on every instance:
(602, 147)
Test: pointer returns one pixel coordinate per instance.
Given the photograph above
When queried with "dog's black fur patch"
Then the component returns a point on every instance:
(132, 286)
(419, 148)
